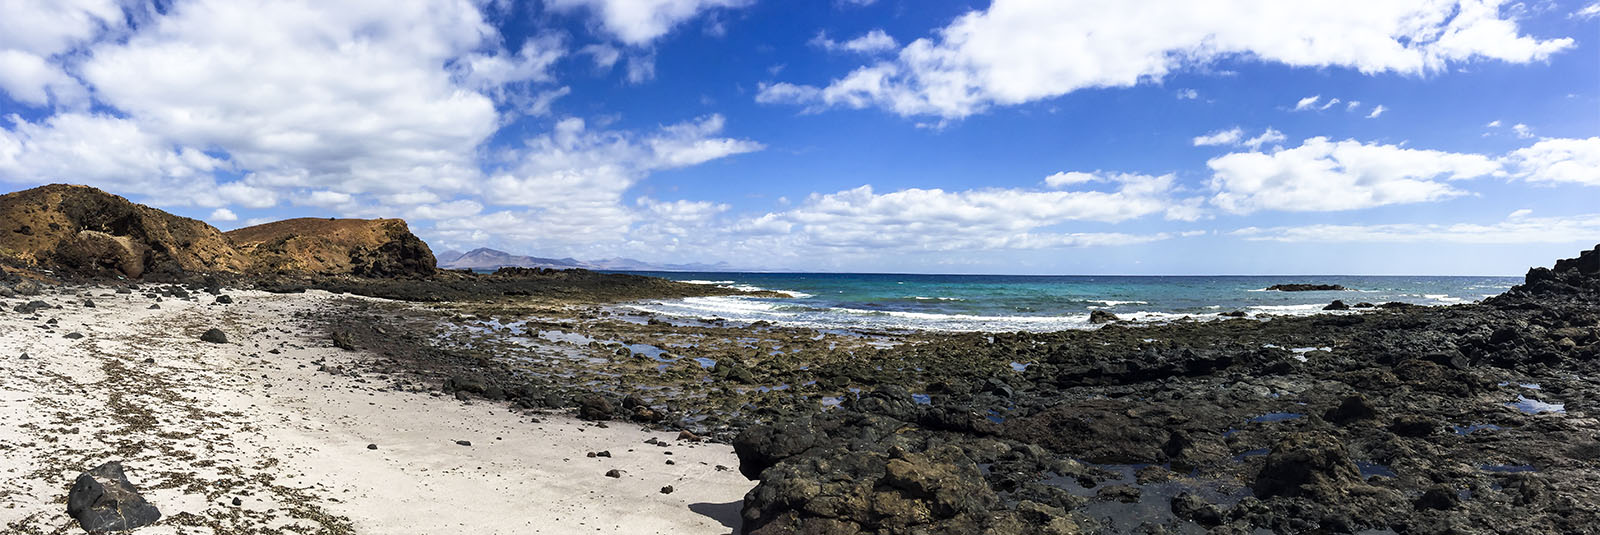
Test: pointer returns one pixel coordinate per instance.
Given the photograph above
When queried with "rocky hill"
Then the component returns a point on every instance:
(485, 258)
(80, 230)
(361, 247)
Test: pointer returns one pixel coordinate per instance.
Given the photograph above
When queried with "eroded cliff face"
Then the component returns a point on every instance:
(84, 231)
(380, 248)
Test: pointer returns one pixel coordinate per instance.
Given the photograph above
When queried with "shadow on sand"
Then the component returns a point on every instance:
(726, 513)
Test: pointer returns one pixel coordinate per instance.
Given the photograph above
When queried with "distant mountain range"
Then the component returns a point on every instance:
(486, 258)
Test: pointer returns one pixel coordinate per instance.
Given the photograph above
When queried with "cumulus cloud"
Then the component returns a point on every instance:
(105, 151)
(1188, 94)
(1517, 229)
(568, 186)
(31, 33)
(1324, 175)
(1220, 137)
(223, 214)
(638, 22)
(988, 57)
(1235, 137)
(1523, 131)
(1572, 161)
(870, 43)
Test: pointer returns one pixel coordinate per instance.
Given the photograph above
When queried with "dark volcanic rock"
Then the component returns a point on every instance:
(1306, 288)
(1353, 408)
(596, 407)
(1336, 305)
(1101, 316)
(103, 499)
(215, 336)
(1313, 465)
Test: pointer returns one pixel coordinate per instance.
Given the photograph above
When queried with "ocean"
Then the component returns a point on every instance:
(1004, 303)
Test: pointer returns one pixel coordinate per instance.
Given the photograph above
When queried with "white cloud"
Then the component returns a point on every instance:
(1188, 94)
(858, 3)
(1067, 178)
(1220, 137)
(1235, 137)
(641, 68)
(1493, 124)
(1270, 135)
(1352, 105)
(1525, 212)
(990, 57)
(1330, 104)
(1307, 103)
(638, 22)
(1376, 111)
(1323, 175)
(1514, 230)
(32, 32)
(1523, 131)
(31, 79)
(872, 42)
(604, 56)
(1573, 161)
(568, 185)
(352, 96)
(1586, 12)
(223, 214)
(105, 151)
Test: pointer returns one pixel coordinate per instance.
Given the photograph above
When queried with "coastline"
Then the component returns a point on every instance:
(260, 419)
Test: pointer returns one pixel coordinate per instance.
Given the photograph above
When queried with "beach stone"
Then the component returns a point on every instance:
(215, 336)
(342, 340)
(103, 499)
(88, 303)
(463, 442)
(154, 307)
(27, 288)
(667, 489)
(372, 446)
(1194, 509)
(1101, 316)
(1235, 314)
(595, 407)
(73, 336)
(614, 473)
(32, 307)
(224, 300)
(1336, 305)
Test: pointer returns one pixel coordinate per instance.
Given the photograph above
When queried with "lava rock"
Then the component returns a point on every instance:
(614, 473)
(667, 489)
(214, 336)
(1194, 509)
(1309, 464)
(1306, 288)
(1101, 316)
(1336, 305)
(224, 300)
(1352, 409)
(596, 408)
(342, 340)
(103, 499)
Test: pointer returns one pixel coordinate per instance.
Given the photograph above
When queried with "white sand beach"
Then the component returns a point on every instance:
(198, 424)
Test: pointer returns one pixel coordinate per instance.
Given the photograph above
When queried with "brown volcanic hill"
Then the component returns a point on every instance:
(361, 247)
(84, 231)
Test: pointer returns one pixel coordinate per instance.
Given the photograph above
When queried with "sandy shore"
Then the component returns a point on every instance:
(199, 424)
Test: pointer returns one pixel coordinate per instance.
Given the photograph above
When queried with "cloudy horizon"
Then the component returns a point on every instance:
(1041, 137)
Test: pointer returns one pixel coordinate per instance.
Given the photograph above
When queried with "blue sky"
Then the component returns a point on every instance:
(1052, 137)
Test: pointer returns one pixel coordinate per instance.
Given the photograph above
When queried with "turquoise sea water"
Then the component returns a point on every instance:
(1039, 303)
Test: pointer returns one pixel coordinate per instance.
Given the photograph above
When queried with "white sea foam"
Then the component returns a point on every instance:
(698, 281)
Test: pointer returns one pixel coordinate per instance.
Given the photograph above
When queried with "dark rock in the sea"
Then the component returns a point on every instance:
(1195, 509)
(1306, 288)
(1309, 464)
(224, 300)
(596, 407)
(103, 499)
(1101, 316)
(215, 336)
(1363, 304)
(1235, 314)
(1120, 493)
(1336, 305)
(1351, 409)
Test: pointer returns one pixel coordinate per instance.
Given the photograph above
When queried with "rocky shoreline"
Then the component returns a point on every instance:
(1461, 419)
